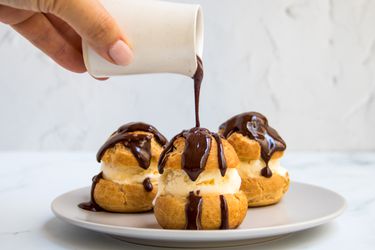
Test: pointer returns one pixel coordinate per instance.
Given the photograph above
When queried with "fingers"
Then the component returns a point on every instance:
(9, 15)
(39, 31)
(94, 24)
(88, 19)
(66, 31)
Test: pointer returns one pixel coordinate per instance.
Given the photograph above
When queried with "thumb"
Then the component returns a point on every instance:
(95, 25)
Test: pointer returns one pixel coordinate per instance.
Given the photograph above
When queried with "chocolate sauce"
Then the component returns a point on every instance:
(195, 154)
(198, 77)
(193, 212)
(139, 144)
(140, 126)
(196, 151)
(167, 150)
(147, 184)
(266, 172)
(220, 152)
(197, 140)
(224, 213)
(255, 126)
(92, 205)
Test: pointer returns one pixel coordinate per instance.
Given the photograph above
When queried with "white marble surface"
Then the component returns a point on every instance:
(309, 65)
(30, 181)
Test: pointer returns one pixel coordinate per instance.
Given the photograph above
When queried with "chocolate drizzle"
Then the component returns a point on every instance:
(197, 140)
(266, 172)
(147, 184)
(194, 158)
(193, 212)
(255, 126)
(196, 152)
(224, 213)
(139, 144)
(92, 205)
(220, 152)
(198, 77)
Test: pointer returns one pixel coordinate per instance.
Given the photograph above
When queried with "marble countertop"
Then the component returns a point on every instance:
(30, 181)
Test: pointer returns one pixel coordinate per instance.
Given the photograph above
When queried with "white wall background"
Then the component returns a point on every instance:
(309, 65)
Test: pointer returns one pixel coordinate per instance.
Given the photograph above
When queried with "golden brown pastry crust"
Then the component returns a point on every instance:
(248, 149)
(121, 157)
(174, 158)
(170, 211)
(261, 191)
(129, 198)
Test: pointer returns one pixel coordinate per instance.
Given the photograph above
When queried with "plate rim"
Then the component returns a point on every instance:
(235, 234)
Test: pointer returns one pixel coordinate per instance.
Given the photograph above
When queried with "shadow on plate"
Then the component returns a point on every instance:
(69, 236)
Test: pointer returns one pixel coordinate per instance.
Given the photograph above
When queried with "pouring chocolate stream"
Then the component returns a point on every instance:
(198, 143)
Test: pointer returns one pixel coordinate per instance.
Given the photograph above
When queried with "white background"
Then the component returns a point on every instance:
(308, 65)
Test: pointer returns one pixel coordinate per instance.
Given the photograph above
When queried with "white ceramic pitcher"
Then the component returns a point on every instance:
(165, 37)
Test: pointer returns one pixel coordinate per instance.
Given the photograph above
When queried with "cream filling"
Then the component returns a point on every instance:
(130, 175)
(253, 168)
(176, 182)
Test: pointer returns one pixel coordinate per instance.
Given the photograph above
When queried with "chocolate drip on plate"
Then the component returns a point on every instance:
(198, 77)
(224, 213)
(193, 212)
(92, 205)
(139, 144)
(148, 185)
(255, 126)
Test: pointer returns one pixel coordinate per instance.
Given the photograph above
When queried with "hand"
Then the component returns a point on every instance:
(57, 27)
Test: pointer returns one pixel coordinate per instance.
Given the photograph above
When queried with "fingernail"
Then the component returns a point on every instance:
(120, 53)
(99, 78)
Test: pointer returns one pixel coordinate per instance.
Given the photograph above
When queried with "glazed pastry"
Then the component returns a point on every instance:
(199, 187)
(259, 148)
(128, 181)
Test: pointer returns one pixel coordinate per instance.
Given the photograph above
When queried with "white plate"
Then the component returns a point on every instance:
(304, 206)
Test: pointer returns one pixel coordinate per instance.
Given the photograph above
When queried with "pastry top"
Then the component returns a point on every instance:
(248, 149)
(252, 137)
(196, 150)
(133, 144)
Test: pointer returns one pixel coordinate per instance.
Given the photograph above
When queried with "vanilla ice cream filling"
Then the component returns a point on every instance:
(129, 175)
(176, 182)
(254, 167)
